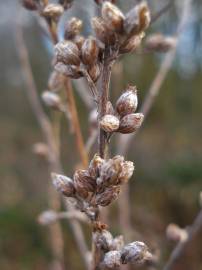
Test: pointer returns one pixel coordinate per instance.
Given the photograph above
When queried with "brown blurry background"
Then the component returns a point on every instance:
(167, 151)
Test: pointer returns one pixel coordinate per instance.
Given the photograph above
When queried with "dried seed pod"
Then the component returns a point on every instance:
(41, 149)
(160, 43)
(137, 19)
(84, 183)
(72, 28)
(127, 170)
(109, 123)
(94, 72)
(135, 252)
(53, 11)
(29, 4)
(112, 16)
(103, 33)
(56, 81)
(104, 240)
(112, 259)
(89, 51)
(51, 99)
(63, 184)
(108, 196)
(130, 123)
(67, 52)
(175, 233)
(79, 40)
(47, 217)
(131, 44)
(95, 165)
(69, 71)
(127, 102)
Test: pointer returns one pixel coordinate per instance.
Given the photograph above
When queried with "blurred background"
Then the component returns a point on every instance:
(167, 151)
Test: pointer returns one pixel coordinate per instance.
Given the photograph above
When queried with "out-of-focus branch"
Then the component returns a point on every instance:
(180, 250)
(162, 11)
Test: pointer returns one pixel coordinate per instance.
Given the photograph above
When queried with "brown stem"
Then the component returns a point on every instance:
(76, 124)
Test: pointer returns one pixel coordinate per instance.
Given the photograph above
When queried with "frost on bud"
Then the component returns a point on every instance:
(112, 16)
(112, 259)
(108, 196)
(135, 252)
(29, 4)
(94, 72)
(127, 170)
(130, 123)
(95, 165)
(72, 28)
(84, 183)
(104, 240)
(131, 44)
(67, 52)
(127, 102)
(53, 11)
(55, 81)
(48, 217)
(51, 99)
(63, 184)
(89, 51)
(68, 70)
(41, 149)
(160, 43)
(175, 233)
(109, 123)
(137, 19)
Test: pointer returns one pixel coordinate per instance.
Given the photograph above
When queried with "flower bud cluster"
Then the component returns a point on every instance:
(100, 184)
(123, 119)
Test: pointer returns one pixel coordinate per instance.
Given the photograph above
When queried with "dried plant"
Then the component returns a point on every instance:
(96, 184)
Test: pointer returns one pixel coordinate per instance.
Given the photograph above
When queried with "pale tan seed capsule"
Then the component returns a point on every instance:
(160, 43)
(68, 70)
(53, 11)
(104, 240)
(130, 123)
(112, 16)
(84, 183)
(112, 259)
(137, 19)
(51, 99)
(127, 102)
(127, 169)
(175, 233)
(79, 40)
(108, 196)
(131, 44)
(135, 252)
(47, 217)
(89, 51)
(29, 4)
(95, 165)
(109, 123)
(67, 52)
(94, 72)
(72, 28)
(63, 184)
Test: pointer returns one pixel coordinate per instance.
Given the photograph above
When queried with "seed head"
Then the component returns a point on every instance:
(95, 165)
(71, 71)
(53, 11)
(160, 43)
(131, 44)
(67, 52)
(72, 28)
(109, 123)
(84, 183)
(51, 99)
(127, 102)
(63, 184)
(89, 51)
(94, 72)
(134, 252)
(127, 169)
(108, 196)
(130, 123)
(104, 240)
(112, 259)
(112, 16)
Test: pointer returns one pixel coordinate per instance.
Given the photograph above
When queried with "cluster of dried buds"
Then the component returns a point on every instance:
(123, 119)
(99, 185)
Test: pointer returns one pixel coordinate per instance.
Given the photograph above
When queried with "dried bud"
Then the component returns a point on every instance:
(103, 240)
(93, 118)
(47, 217)
(103, 33)
(160, 43)
(135, 252)
(56, 81)
(175, 233)
(79, 40)
(51, 99)
(112, 16)
(53, 11)
(84, 183)
(118, 243)
(41, 149)
(109, 123)
(67, 52)
(127, 169)
(112, 259)
(127, 102)
(69, 71)
(63, 184)
(130, 123)
(131, 44)
(108, 196)
(89, 51)
(137, 19)
(29, 4)
(94, 72)
(95, 165)
(72, 28)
